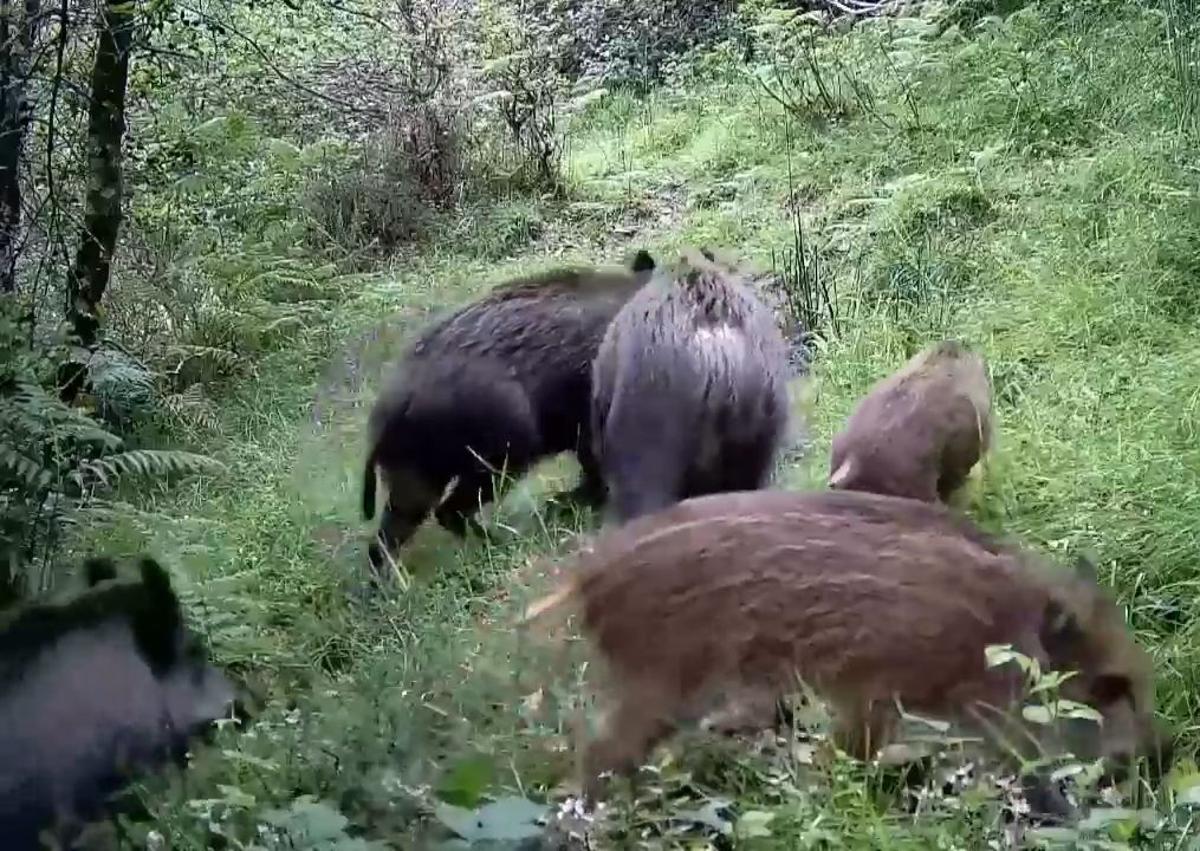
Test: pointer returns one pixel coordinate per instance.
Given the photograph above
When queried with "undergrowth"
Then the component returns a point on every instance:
(1026, 183)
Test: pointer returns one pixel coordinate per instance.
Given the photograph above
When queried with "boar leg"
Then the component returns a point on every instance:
(396, 526)
(749, 709)
(629, 731)
(861, 730)
(471, 492)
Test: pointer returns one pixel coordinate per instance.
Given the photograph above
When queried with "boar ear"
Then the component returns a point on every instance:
(156, 618)
(99, 569)
(643, 261)
(1060, 629)
(1085, 565)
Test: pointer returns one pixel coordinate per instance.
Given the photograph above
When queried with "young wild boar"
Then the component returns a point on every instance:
(919, 431)
(93, 690)
(689, 389)
(868, 599)
(489, 389)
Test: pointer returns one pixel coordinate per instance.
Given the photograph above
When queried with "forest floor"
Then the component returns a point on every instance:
(1027, 190)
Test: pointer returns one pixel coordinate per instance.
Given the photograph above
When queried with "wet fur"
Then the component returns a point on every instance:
(493, 387)
(865, 597)
(93, 689)
(689, 389)
(919, 431)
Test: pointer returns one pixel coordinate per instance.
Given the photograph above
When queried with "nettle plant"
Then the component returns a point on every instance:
(1045, 706)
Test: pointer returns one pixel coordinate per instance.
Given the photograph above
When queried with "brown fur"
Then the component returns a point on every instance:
(865, 597)
(919, 431)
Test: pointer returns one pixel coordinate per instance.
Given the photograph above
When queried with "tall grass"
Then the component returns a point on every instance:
(1041, 208)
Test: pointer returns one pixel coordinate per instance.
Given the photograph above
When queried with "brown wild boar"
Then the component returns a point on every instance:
(491, 388)
(868, 599)
(689, 389)
(919, 431)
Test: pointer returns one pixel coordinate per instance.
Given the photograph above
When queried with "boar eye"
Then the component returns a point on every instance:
(1109, 688)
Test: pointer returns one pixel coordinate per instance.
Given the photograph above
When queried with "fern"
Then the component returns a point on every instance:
(219, 358)
(192, 408)
(29, 472)
(110, 469)
(124, 389)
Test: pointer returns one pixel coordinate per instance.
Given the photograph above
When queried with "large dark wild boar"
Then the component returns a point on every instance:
(689, 389)
(919, 431)
(491, 388)
(93, 690)
(868, 599)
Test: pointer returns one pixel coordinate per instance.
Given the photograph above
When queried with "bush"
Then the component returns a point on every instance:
(618, 43)
(384, 195)
(526, 92)
(56, 462)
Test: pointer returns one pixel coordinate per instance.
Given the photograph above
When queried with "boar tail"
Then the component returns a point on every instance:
(368, 491)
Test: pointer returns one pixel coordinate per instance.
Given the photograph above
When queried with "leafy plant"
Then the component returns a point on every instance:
(527, 90)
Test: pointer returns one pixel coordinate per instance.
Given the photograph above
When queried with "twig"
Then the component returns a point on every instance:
(272, 67)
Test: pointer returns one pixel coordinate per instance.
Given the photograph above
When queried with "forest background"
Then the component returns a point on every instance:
(220, 220)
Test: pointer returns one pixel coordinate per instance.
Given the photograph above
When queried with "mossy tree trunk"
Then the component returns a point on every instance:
(18, 27)
(89, 273)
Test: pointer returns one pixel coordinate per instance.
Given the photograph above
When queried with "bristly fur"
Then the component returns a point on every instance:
(918, 432)
(97, 569)
(493, 386)
(865, 597)
(149, 605)
(689, 388)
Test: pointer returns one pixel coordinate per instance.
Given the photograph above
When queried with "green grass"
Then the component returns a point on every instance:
(1031, 183)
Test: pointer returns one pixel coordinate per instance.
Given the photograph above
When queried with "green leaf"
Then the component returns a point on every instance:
(1001, 654)
(310, 825)
(1071, 709)
(507, 818)
(1037, 714)
(753, 824)
(1187, 788)
(282, 148)
(464, 784)
(235, 797)
(1119, 822)
(710, 815)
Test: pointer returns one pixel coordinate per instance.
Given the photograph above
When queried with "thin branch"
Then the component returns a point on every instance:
(272, 67)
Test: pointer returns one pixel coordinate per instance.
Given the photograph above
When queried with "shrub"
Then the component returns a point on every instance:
(617, 43)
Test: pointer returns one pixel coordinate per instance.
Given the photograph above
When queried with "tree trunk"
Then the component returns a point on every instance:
(89, 274)
(17, 36)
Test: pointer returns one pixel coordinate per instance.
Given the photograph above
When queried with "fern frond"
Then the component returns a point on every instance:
(108, 470)
(34, 476)
(218, 357)
(193, 407)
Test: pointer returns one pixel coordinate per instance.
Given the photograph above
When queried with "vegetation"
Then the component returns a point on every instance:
(191, 333)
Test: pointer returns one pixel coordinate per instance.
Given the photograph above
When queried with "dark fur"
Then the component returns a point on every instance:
(506, 378)
(92, 690)
(919, 431)
(865, 597)
(689, 389)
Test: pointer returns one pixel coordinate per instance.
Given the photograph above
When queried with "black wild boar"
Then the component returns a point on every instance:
(93, 690)
(491, 388)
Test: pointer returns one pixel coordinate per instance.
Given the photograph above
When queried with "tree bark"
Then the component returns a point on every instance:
(18, 30)
(89, 274)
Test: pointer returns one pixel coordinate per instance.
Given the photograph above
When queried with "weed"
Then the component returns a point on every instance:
(1019, 182)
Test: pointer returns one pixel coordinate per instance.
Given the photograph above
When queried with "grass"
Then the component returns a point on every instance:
(1030, 189)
